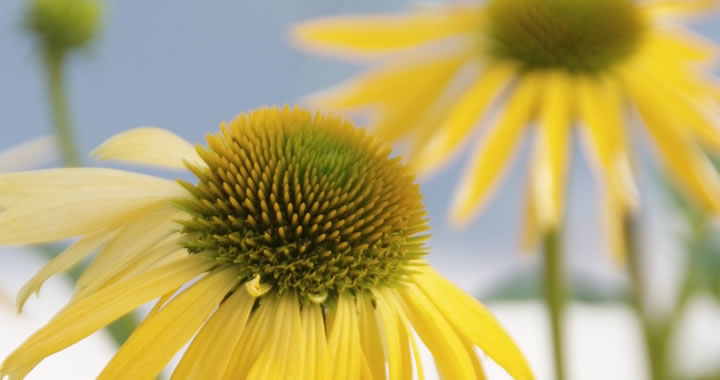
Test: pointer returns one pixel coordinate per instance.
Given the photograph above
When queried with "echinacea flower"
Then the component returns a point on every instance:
(550, 64)
(296, 254)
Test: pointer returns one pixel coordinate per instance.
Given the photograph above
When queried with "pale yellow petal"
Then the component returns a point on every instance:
(85, 316)
(157, 340)
(530, 237)
(474, 323)
(462, 117)
(313, 330)
(66, 260)
(601, 106)
(615, 216)
(494, 152)
(282, 355)
(363, 35)
(55, 204)
(438, 335)
(150, 146)
(683, 158)
(30, 154)
(208, 354)
(344, 342)
(399, 368)
(550, 164)
(370, 339)
(679, 7)
(251, 343)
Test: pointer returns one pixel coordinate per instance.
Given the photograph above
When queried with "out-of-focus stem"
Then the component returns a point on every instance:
(60, 113)
(555, 297)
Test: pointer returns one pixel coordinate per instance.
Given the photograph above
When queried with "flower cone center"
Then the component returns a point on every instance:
(308, 203)
(575, 35)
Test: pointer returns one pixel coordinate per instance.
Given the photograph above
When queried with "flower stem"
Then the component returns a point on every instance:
(555, 297)
(61, 115)
(655, 333)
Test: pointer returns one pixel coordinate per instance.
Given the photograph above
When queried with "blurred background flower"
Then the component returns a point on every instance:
(184, 65)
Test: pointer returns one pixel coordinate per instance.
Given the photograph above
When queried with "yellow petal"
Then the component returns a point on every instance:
(31, 154)
(493, 153)
(69, 258)
(477, 363)
(83, 317)
(462, 117)
(601, 110)
(282, 355)
(149, 146)
(550, 165)
(370, 339)
(344, 342)
(615, 215)
(55, 204)
(438, 335)
(157, 340)
(683, 158)
(474, 323)
(251, 343)
(208, 354)
(363, 35)
(398, 353)
(531, 226)
(313, 331)
(679, 7)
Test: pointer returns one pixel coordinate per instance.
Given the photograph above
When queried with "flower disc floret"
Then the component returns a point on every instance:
(304, 203)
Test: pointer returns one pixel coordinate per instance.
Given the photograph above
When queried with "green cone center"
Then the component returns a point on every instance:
(575, 35)
(306, 202)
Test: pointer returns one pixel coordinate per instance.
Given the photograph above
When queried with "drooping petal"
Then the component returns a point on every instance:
(679, 7)
(157, 340)
(282, 355)
(550, 165)
(83, 317)
(251, 343)
(55, 204)
(438, 335)
(149, 146)
(369, 35)
(461, 118)
(208, 354)
(69, 258)
(344, 342)
(494, 152)
(372, 343)
(601, 111)
(398, 351)
(313, 331)
(28, 155)
(474, 322)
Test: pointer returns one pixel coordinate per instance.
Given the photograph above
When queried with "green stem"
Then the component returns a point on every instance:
(555, 297)
(61, 115)
(655, 333)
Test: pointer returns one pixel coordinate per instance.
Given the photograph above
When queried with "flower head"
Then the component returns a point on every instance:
(301, 242)
(552, 63)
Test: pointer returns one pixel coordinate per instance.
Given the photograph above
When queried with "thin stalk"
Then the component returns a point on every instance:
(555, 297)
(60, 114)
(655, 333)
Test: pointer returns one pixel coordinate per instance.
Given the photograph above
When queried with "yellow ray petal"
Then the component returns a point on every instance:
(150, 146)
(157, 340)
(396, 342)
(208, 354)
(679, 7)
(493, 153)
(369, 35)
(70, 257)
(531, 226)
(370, 339)
(81, 318)
(55, 204)
(462, 117)
(251, 343)
(313, 330)
(344, 342)
(683, 158)
(440, 338)
(615, 215)
(474, 322)
(601, 110)
(282, 355)
(31, 154)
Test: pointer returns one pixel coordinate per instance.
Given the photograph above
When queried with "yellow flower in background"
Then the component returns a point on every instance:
(544, 64)
(297, 254)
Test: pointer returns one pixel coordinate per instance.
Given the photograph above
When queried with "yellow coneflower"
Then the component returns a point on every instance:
(297, 254)
(552, 63)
